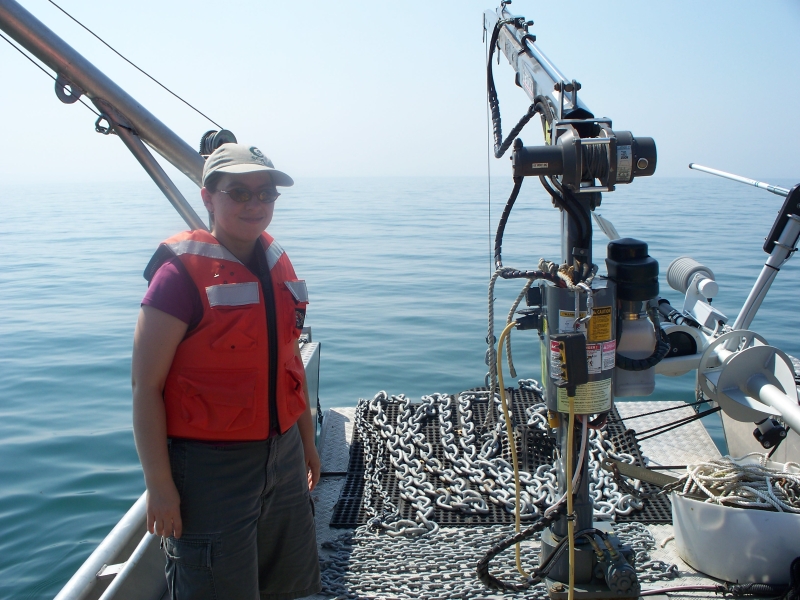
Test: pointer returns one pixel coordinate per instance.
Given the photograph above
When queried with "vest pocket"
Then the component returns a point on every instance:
(218, 400)
(292, 307)
(295, 375)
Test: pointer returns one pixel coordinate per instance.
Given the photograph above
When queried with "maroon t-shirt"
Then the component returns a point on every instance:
(172, 291)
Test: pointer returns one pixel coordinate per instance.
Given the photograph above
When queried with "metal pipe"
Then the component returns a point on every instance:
(759, 184)
(159, 176)
(111, 550)
(780, 253)
(137, 574)
(43, 43)
(759, 387)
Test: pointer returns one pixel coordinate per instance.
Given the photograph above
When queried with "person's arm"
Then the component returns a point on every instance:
(308, 433)
(154, 342)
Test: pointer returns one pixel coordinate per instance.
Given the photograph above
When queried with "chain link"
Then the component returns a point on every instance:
(412, 557)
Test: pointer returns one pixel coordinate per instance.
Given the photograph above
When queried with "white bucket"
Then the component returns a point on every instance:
(736, 544)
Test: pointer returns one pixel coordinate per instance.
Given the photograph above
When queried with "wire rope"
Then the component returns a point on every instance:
(45, 71)
(145, 73)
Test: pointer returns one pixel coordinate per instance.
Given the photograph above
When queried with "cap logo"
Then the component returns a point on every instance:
(259, 157)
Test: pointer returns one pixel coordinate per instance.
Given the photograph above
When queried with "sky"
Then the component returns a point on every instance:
(398, 88)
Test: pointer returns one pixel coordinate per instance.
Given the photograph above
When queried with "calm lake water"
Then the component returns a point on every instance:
(397, 272)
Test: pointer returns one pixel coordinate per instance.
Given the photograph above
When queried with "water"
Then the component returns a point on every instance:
(396, 270)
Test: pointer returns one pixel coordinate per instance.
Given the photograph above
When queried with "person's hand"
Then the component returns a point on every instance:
(164, 510)
(312, 465)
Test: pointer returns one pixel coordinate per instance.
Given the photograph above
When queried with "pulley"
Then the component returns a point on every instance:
(749, 379)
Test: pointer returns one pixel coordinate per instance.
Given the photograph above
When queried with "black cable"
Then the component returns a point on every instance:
(508, 273)
(489, 180)
(565, 201)
(45, 71)
(675, 424)
(728, 589)
(500, 145)
(659, 352)
(134, 66)
(501, 226)
(663, 410)
(595, 162)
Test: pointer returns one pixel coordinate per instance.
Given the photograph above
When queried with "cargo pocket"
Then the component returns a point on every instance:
(188, 569)
(295, 375)
(218, 400)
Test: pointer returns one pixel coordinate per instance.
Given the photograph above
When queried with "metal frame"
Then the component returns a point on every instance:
(132, 122)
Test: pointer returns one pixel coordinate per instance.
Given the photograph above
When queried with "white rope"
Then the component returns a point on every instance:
(727, 481)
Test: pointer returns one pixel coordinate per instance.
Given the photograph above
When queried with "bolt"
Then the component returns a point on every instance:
(557, 587)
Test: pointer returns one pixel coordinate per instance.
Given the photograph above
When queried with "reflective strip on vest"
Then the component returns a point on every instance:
(233, 294)
(298, 289)
(274, 252)
(202, 249)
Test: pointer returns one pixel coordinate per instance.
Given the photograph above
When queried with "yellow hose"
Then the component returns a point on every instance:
(570, 521)
(511, 442)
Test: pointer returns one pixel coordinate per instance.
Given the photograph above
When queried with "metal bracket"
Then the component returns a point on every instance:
(110, 570)
(66, 91)
(104, 129)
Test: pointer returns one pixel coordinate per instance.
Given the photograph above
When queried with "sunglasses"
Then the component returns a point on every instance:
(243, 195)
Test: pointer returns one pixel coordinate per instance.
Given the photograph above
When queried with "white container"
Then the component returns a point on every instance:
(736, 544)
(638, 340)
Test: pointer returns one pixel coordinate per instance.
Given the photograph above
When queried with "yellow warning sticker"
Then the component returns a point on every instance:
(590, 398)
(600, 324)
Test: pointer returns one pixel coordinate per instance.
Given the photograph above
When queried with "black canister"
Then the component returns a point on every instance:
(633, 269)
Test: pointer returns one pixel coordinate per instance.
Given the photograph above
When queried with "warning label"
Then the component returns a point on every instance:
(566, 321)
(594, 357)
(609, 355)
(600, 324)
(593, 397)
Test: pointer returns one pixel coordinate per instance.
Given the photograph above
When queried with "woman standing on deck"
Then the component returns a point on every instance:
(221, 415)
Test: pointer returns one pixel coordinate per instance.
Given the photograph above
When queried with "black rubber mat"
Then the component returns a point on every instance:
(536, 447)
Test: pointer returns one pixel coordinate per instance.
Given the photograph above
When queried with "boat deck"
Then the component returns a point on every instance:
(357, 563)
(435, 578)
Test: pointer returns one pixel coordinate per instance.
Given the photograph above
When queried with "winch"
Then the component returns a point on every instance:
(602, 336)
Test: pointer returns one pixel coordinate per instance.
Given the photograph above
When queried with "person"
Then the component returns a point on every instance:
(221, 417)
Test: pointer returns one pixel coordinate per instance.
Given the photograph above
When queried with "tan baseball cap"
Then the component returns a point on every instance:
(236, 158)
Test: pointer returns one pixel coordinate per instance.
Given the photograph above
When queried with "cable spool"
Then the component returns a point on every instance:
(682, 270)
(213, 139)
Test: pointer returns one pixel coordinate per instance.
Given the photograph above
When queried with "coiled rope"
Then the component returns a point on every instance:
(730, 482)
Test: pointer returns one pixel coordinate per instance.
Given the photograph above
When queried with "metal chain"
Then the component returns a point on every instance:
(425, 482)
(637, 536)
(405, 558)
(364, 563)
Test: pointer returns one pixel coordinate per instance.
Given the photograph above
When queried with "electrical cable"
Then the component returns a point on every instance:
(570, 514)
(663, 410)
(512, 444)
(134, 66)
(489, 168)
(45, 71)
(564, 201)
(500, 145)
(579, 471)
(661, 349)
(501, 226)
(510, 318)
(675, 424)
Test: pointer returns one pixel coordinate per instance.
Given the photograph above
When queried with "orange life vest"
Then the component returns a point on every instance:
(218, 385)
